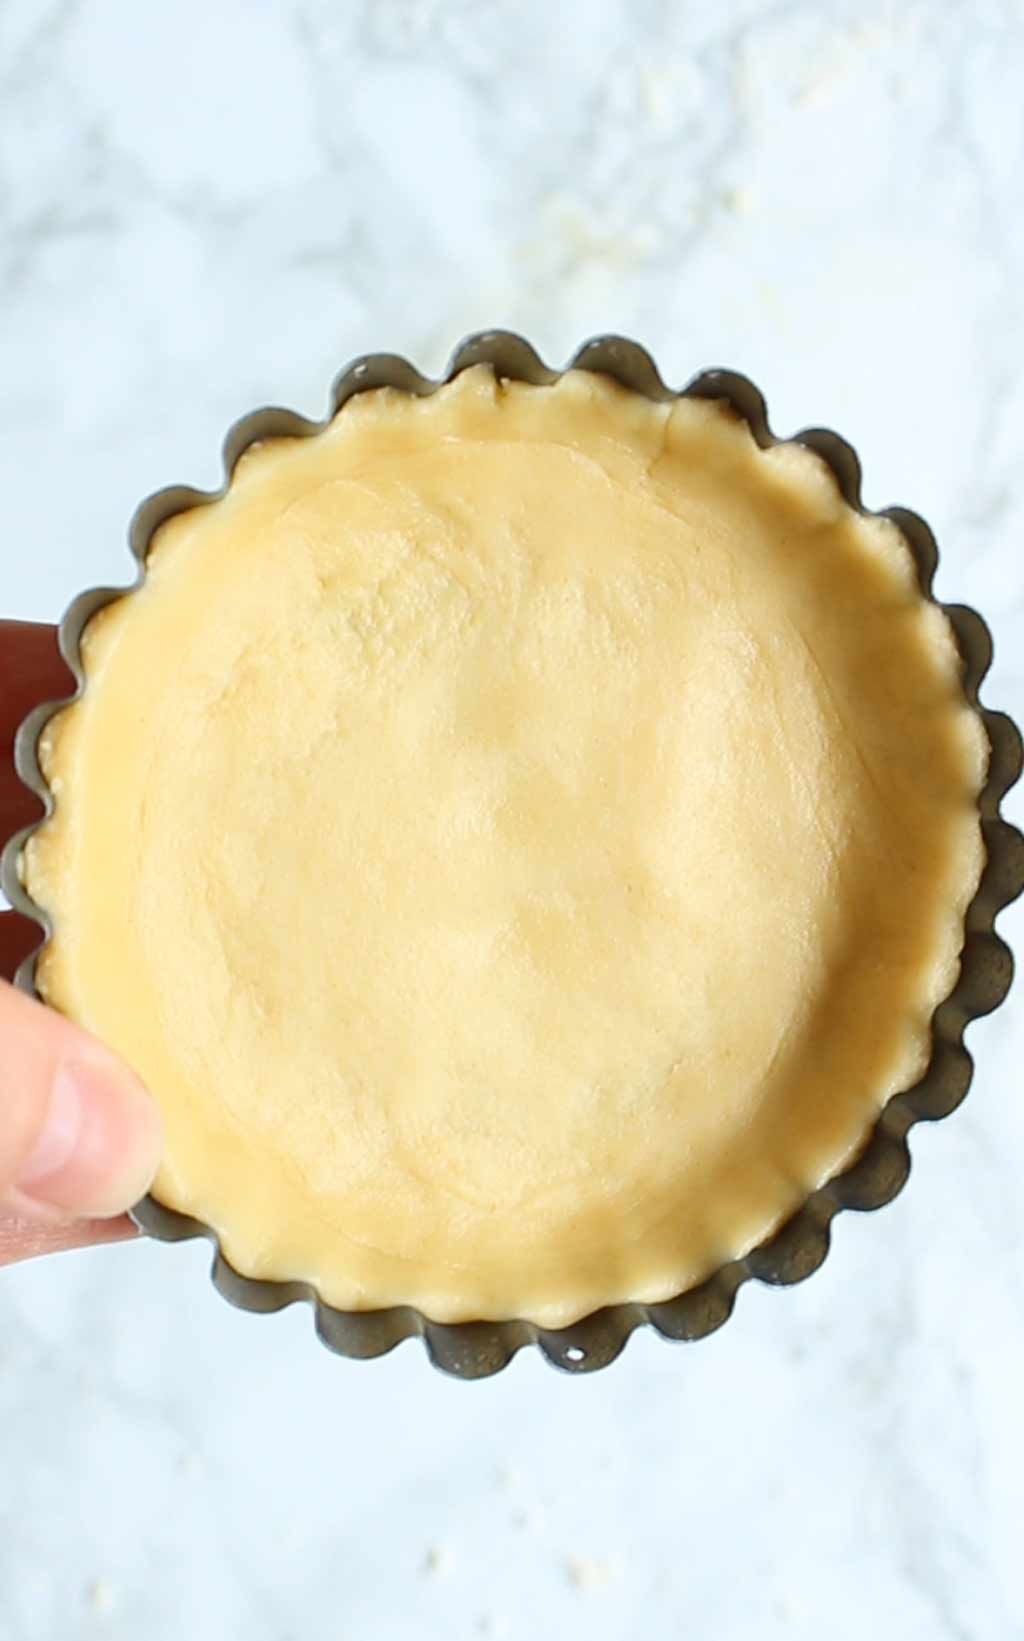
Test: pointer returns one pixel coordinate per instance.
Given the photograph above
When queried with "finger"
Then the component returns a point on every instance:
(31, 670)
(25, 1238)
(80, 1137)
(18, 937)
(18, 806)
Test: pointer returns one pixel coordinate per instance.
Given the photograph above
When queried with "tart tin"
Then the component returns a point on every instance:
(476, 1349)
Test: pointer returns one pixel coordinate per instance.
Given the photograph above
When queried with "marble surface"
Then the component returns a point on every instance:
(209, 206)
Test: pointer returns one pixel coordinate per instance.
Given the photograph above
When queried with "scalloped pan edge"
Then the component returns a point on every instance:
(475, 1350)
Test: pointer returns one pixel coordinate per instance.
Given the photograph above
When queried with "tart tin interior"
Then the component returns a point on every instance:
(474, 1350)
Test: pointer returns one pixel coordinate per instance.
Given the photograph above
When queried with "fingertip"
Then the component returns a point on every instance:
(98, 1149)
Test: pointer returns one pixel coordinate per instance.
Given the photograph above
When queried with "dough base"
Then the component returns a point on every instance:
(520, 836)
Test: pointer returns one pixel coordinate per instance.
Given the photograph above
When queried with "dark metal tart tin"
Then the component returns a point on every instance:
(473, 1350)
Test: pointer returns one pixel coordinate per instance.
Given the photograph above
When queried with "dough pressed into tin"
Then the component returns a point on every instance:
(521, 836)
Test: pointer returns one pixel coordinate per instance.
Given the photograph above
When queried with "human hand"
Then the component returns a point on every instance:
(79, 1136)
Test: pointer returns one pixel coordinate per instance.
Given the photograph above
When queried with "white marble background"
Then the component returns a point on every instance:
(212, 204)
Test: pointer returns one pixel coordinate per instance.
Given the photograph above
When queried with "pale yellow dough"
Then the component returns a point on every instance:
(520, 836)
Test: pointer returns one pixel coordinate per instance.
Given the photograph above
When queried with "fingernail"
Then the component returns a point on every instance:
(55, 1146)
(100, 1143)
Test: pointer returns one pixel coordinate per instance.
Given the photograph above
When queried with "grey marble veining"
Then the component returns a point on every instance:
(207, 207)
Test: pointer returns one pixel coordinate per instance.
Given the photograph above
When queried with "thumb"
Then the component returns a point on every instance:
(79, 1135)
